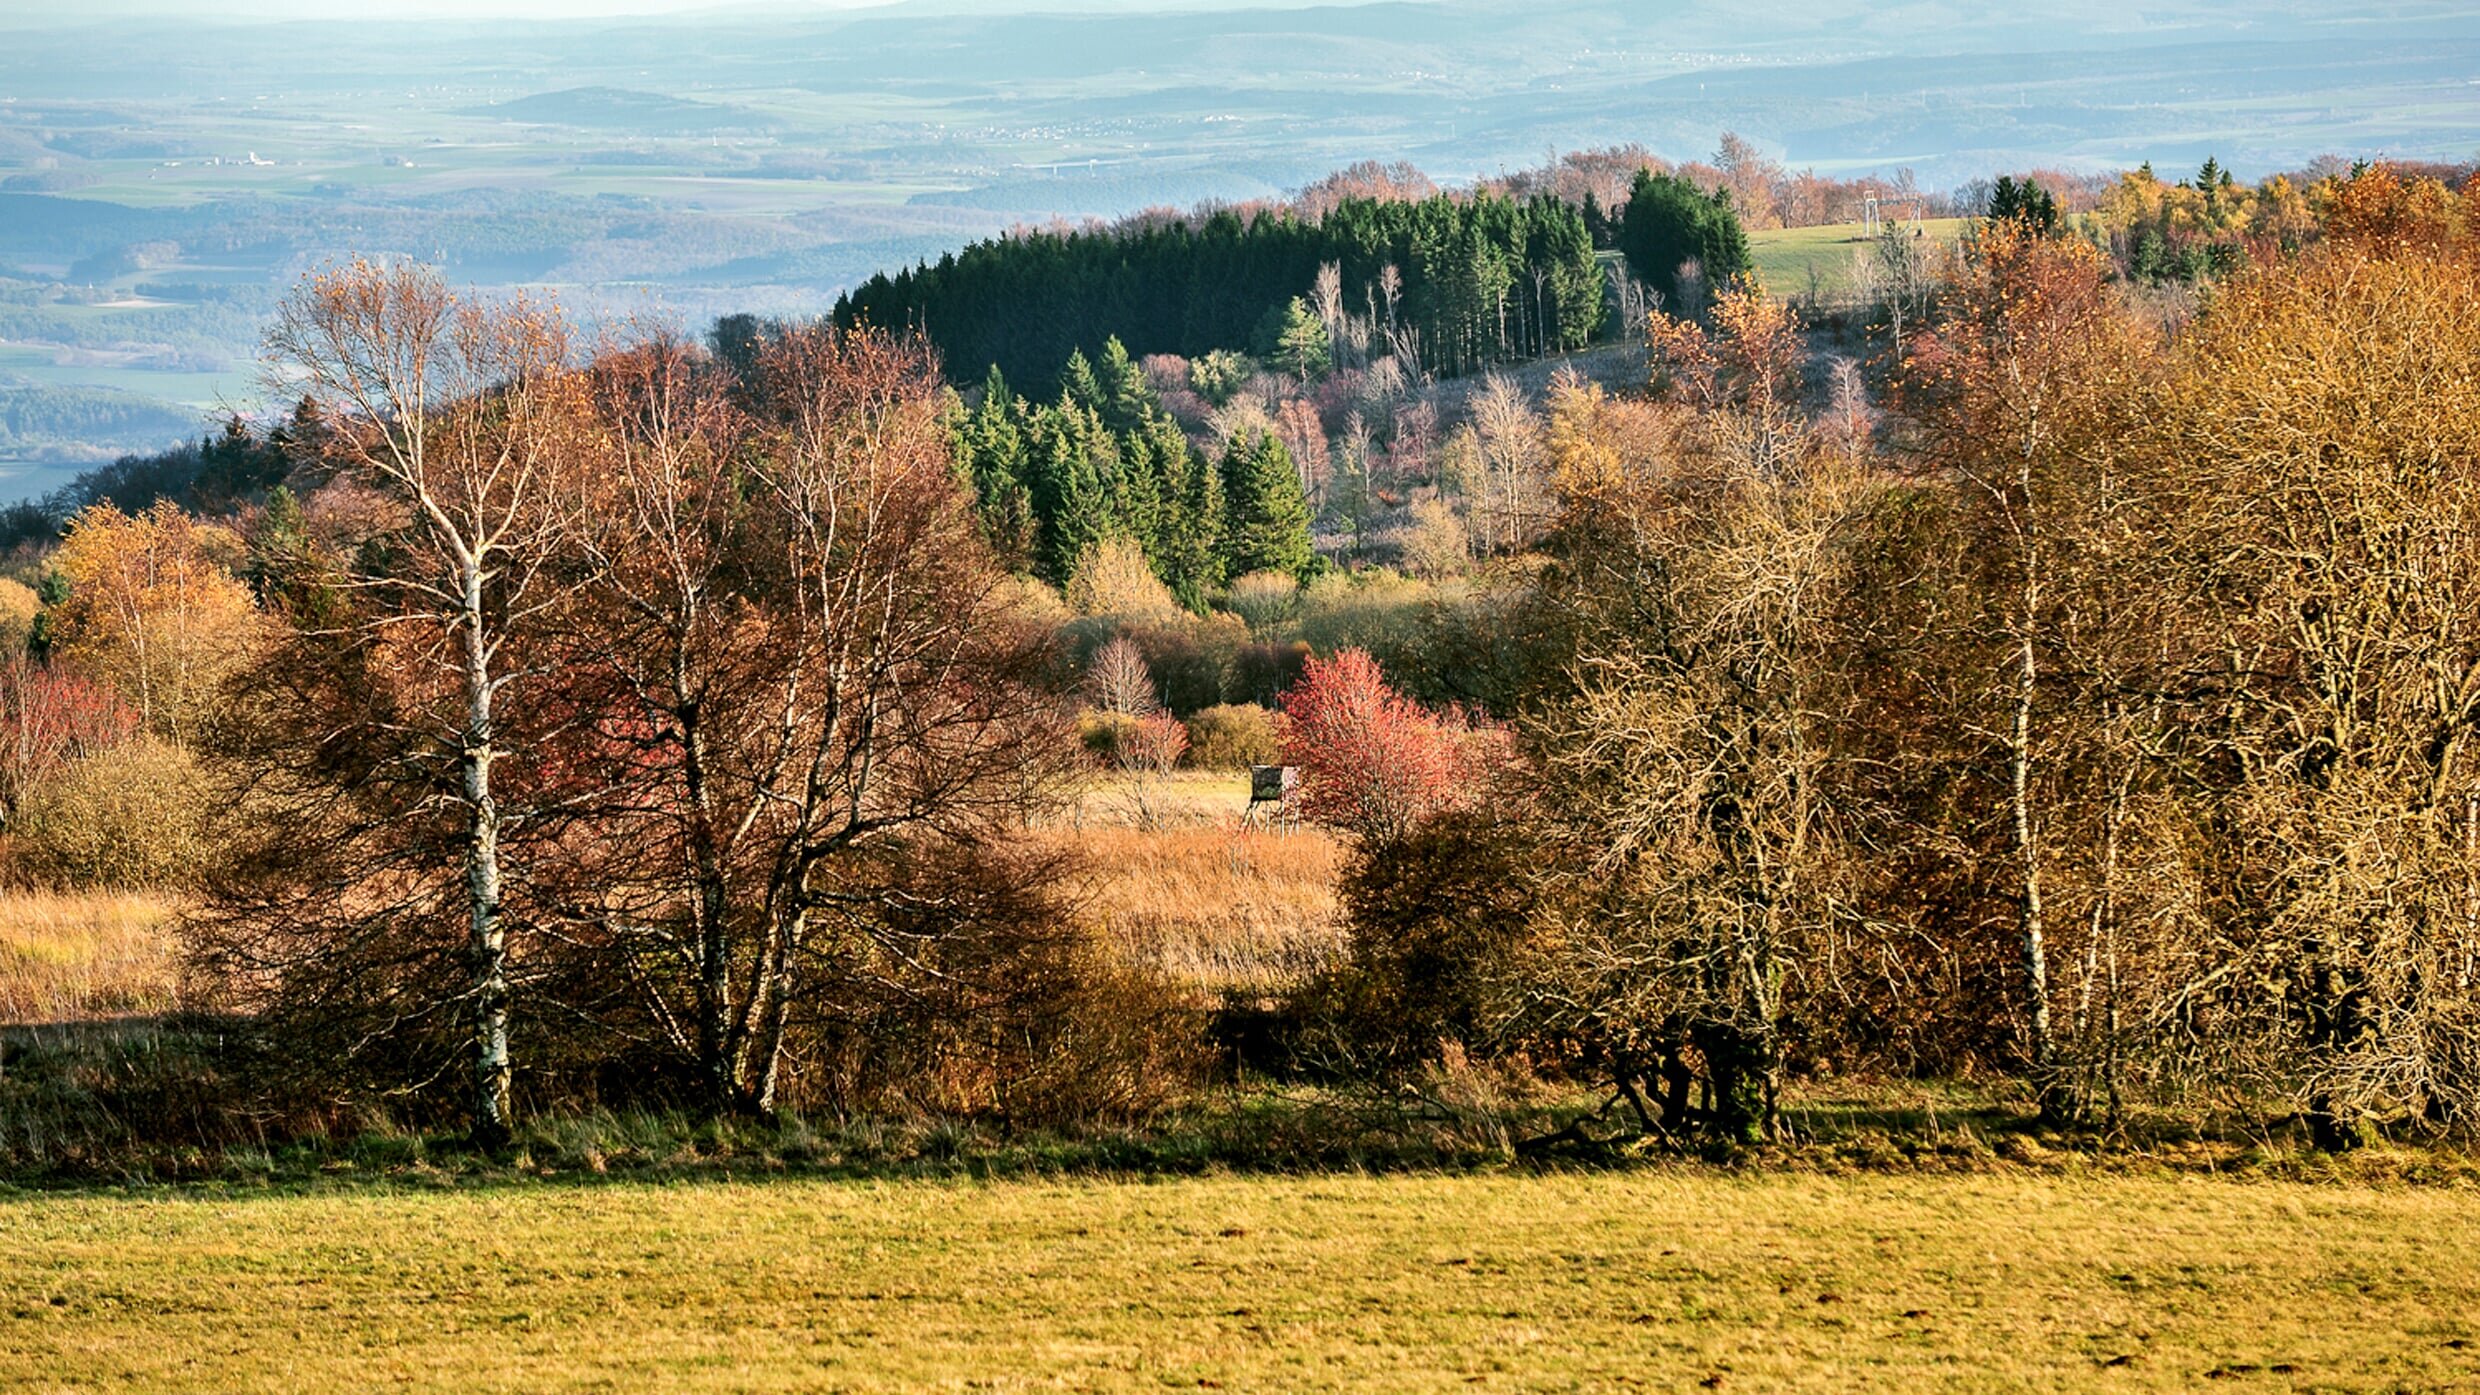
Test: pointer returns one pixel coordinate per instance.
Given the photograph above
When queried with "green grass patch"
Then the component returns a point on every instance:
(1658, 1280)
(1786, 257)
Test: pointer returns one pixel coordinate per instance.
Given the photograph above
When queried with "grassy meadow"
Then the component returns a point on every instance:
(1898, 1250)
(1796, 261)
(1662, 1280)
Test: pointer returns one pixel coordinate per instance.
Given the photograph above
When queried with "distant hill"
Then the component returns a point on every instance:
(86, 424)
(1074, 192)
(626, 109)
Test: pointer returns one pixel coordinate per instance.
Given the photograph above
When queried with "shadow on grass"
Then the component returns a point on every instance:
(142, 1105)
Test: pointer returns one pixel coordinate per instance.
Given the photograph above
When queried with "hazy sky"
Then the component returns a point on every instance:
(72, 11)
(25, 13)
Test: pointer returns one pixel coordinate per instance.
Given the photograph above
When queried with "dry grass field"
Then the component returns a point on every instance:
(1214, 902)
(1657, 1281)
(83, 957)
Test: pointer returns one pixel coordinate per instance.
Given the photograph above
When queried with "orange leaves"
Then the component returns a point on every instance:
(1742, 376)
(2379, 211)
(153, 610)
(2035, 357)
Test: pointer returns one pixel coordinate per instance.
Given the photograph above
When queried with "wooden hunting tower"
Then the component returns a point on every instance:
(1273, 791)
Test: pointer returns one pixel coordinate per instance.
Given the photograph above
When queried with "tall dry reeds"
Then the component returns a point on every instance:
(1209, 901)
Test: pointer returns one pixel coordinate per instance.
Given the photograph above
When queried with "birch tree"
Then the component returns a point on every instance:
(2028, 385)
(380, 763)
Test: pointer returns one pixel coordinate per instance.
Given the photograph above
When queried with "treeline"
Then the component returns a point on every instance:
(214, 476)
(1444, 283)
(2109, 718)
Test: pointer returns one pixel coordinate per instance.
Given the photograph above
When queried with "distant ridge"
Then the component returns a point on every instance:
(623, 108)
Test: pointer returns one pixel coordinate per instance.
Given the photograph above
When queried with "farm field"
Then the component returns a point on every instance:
(1787, 257)
(1663, 1280)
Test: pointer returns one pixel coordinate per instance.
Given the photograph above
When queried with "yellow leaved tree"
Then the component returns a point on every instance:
(153, 611)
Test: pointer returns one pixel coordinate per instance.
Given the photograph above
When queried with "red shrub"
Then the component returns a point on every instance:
(1373, 762)
(48, 718)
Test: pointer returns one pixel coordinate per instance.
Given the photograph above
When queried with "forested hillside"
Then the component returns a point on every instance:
(1447, 283)
(2046, 665)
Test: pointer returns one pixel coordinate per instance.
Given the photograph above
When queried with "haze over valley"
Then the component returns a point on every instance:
(165, 178)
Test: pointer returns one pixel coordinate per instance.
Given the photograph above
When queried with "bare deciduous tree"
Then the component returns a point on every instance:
(466, 419)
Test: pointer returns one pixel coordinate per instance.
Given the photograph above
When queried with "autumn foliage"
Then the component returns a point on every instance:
(1373, 762)
(2083, 693)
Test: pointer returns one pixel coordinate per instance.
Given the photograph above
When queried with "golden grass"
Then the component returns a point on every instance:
(1662, 1281)
(1210, 901)
(73, 957)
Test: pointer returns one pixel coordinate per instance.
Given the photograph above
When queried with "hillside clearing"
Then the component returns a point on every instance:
(1820, 260)
(1664, 1280)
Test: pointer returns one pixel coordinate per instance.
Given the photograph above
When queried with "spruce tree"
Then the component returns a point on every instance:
(1070, 501)
(1188, 518)
(2023, 201)
(1127, 398)
(1301, 347)
(1079, 385)
(990, 452)
(1670, 221)
(1137, 503)
(1265, 516)
(1193, 554)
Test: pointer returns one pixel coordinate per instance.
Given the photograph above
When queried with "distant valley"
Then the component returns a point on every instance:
(162, 183)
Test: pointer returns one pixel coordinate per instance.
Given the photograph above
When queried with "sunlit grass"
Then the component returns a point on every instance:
(1666, 1281)
(1786, 256)
(1178, 881)
(70, 957)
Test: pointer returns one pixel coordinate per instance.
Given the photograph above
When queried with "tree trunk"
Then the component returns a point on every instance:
(491, 1122)
(717, 1038)
(1739, 1067)
(2029, 915)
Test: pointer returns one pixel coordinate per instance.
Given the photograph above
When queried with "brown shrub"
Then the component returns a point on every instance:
(131, 815)
(1233, 735)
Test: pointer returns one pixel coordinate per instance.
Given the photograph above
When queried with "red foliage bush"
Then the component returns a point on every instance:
(48, 718)
(1373, 762)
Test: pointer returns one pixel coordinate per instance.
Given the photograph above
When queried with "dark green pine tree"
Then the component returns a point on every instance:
(1071, 502)
(1668, 221)
(1078, 383)
(1128, 400)
(1299, 344)
(1265, 517)
(1137, 499)
(1597, 225)
(1191, 559)
(990, 449)
(2023, 201)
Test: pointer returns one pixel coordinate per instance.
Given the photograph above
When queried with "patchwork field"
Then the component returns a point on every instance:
(1663, 1281)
